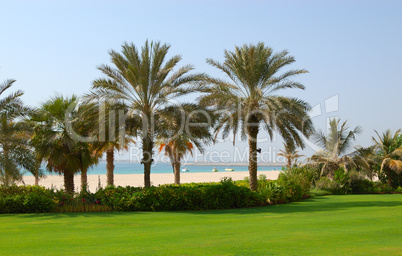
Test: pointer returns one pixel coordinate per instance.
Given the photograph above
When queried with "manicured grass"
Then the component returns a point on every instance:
(330, 225)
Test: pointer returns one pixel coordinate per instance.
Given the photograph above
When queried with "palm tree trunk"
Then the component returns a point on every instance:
(110, 167)
(252, 131)
(147, 145)
(36, 179)
(289, 163)
(69, 181)
(84, 180)
(177, 172)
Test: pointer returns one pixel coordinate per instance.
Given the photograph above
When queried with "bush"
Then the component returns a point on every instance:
(359, 184)
(26, 199)
(340, 185)
(223, 195)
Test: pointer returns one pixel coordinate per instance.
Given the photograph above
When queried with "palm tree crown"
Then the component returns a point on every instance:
(249, 99)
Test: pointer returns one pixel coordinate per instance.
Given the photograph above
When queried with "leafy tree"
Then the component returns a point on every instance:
(389, 148)
(250, 98)
(189, 125)
(145, 82)
(15, 150)
(334, 147)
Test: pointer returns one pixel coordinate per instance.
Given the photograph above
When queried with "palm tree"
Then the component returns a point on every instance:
(110, 136)
(54, 142)
(144, 82)
(390, 152)
(249, 99)
(367, 160)
(334, 147)
(15, 151)
(289, 153)
(178, 136)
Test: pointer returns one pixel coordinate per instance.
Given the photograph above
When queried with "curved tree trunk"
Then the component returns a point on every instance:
(177, 173)
(69, 181)
(110, 166)
(84, 180)
(252, 132)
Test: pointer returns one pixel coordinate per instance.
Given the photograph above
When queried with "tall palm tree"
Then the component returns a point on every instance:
(178, 136)
(54, 142)
(390, 152)
(145, 82)
(334, 148)
(15, 151)
(249, 98)
(290, 154)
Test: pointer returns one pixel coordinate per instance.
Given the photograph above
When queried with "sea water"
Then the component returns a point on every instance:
(137, 168)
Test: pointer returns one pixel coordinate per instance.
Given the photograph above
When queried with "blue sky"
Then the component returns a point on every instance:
(352, 49)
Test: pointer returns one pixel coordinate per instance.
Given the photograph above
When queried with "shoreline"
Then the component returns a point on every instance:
(137, 180)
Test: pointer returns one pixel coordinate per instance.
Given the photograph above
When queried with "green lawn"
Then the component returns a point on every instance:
(330, 225)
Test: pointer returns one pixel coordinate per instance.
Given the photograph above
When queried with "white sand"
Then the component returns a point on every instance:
(137, 180)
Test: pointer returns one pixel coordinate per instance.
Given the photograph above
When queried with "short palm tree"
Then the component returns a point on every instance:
(178, 136)
(249, 99)
(290, 154)
(110, 136)
(390, 152)
(15, 150)
(368, 160)
(145, 83)
(334, 148)
(53, 140)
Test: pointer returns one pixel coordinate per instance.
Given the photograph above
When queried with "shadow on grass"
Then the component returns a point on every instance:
(70, 215)
(315, 204)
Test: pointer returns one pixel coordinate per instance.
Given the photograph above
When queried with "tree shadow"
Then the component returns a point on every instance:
(316, 204)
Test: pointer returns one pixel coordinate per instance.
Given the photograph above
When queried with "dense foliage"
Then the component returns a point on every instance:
(194, 196)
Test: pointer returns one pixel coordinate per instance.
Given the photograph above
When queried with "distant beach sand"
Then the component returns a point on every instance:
(137, 180)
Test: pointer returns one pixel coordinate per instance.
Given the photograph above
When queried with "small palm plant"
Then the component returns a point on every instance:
(389, 148)
(334, 148)
(290, 154)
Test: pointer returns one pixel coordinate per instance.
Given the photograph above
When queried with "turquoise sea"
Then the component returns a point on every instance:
(136, 168)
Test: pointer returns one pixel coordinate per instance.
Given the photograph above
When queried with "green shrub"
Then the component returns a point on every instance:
(339, 185)
(26, 199)
(359, 184)
(200, 196)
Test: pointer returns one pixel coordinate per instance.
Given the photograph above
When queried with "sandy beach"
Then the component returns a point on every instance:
(137, 180)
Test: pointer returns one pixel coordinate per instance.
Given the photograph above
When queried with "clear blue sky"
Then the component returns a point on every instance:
(352, 49)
